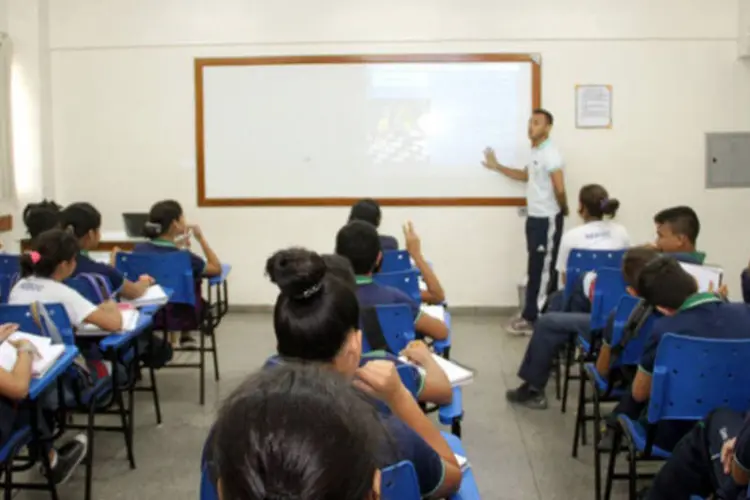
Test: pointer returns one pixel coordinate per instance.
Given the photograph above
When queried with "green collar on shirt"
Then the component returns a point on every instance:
(364, 280)
(699, 256)
(699, 299)
(163, 243)
(543, 144)
(378, 353)
(85, 253)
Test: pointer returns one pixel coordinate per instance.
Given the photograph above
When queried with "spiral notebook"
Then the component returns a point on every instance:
(48, 353)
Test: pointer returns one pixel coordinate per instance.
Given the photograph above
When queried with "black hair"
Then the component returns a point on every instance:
(663, 282)
(315, 311)
(296, 431)
(359, 242)
(40, 217)
(160, 218)
(367, 210)
(682, 220)
(80, 218)
(341, 268)
(547, 115)
(595, 199)
(54, 247)
(634, 261)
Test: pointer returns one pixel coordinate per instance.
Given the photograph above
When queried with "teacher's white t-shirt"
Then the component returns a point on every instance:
(594, 235)
(540, 193)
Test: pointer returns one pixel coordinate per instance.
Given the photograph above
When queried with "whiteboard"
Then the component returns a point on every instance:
(342, 131)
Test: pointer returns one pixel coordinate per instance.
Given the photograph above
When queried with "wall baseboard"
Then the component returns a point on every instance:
(455, 310)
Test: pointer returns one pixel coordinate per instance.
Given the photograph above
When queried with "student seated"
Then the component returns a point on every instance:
(433, 385)
(368, 210)
(674, 292)
(40, 217)
(84, 221)
(358, 242)
(169, 232)
(43, 271)
(712, 461)
(553, 329)
(14, 387)
(316, 318)
(299, 411)
(598, 232)
(677, 230)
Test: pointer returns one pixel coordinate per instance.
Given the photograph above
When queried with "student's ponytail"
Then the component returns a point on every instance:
(41, 217)
(596, 203)
(49, 250)
(610, 206)
(161, 217)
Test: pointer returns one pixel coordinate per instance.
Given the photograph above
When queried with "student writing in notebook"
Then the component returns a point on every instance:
(14, 387)
(43, 271)
(358, 241)
(316, 318)
(84, 221)
(169, 232)
(279, 413)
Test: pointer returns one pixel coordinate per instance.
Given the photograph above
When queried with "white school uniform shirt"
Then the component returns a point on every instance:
(47, 291)
(540, 193)
(594, 235)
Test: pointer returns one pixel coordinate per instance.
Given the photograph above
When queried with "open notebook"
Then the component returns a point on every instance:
(129, 322)
(48, 353)
(154, 296)
(706, 276)
(458, 375)
(437, 312)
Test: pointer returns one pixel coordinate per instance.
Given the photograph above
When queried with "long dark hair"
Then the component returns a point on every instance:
(597, 203)
(160, 218)
(49, 250)
(315, 311)
(296, 431)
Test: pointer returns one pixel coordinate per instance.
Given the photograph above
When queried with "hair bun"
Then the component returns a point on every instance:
(610, 206)
(297, 272)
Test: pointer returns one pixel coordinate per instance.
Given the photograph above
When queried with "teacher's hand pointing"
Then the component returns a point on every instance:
(490, 160)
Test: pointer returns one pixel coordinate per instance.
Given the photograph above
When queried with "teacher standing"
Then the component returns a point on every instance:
(546, 206)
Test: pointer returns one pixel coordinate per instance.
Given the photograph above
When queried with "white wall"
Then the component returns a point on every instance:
(122, 110)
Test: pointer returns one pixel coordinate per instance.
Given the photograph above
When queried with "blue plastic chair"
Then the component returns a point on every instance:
(208, 490)
(174, 271)
(10, 264)
(395, 261)
(583, 261)
(406, 281)
(94, 287)
(397, 325)
(6, 285)
(608, 289)
(691, 377)
(399, 482)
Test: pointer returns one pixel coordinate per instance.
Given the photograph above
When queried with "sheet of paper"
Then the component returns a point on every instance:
(463, 462)
(154, 296)
(593, 106)
(129, 322)
(437, 312)
(48, 353)
(457, 375)
(708, 277)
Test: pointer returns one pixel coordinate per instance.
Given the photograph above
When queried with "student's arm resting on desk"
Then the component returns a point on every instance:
(381, 379)
(106, 316)
(14, 384)
(431, 327)
(436, 388)
(213, 264)
(490, 162)
(133, 290)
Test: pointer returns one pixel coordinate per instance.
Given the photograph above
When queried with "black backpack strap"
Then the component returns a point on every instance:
(371, 329)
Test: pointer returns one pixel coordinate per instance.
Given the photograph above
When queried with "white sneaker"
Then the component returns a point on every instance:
(519, 326)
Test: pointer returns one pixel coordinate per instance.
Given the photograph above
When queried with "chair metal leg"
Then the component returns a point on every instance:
(155, 393)
(580, 417)
(583, 378)
(456, 427)
(90, 457)
(8, 493)
(632, 471)
(558, 373)
(43, 454)
(597, 451)
(202, 363)
(215, 353)
(616, 443)
(566, 380)
(126, 428)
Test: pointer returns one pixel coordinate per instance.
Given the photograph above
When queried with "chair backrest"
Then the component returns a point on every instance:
(208, 490)
(399, 482)
(693, 376)
(6, 285)
(395, 260)
(21, 314)
(397, 323)
(94, 287)
(408, 378)
(406, 281)
(608, 289)
(171, 270)
(583, 261)
(10, 264)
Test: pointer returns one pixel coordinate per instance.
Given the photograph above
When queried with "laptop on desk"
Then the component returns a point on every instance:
(134, 224)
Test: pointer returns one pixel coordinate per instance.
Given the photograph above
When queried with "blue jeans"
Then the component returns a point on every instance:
(551, 331)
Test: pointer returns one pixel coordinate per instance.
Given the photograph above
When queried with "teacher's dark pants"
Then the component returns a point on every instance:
(542, 244)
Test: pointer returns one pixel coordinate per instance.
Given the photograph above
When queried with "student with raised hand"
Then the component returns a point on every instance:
(368, 210)
(301, 411)
(673, 292)
(14, 387)
(168, 232)
(553, 329)
(358, 242)
(434, 293)
(40, 217)
(84, 221)
(677, 230)
(43, 271)
(316, 318)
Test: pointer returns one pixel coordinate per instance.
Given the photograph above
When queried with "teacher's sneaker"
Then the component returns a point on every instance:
(519, 326)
